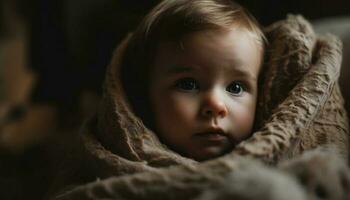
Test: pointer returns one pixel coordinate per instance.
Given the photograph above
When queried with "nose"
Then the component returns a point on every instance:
(214, 106)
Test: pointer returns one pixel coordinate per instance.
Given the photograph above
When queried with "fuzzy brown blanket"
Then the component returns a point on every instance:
(300, 109)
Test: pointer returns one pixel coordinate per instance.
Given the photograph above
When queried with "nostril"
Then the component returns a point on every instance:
(214, 113)
(223, 112)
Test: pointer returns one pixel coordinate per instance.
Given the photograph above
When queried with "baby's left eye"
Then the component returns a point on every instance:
(235, 88)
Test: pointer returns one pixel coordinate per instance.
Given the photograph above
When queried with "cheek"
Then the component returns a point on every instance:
(243, 116)
(175, 110)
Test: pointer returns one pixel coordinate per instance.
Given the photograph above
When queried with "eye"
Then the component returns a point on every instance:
(235, 88)
(187, 84)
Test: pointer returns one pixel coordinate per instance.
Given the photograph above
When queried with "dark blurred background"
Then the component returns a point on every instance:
(53, 54)
(69, 43)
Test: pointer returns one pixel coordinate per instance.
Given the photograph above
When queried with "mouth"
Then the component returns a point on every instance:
(215, 135)
(213, 143)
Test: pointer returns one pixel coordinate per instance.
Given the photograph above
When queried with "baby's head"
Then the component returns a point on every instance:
(191, 72)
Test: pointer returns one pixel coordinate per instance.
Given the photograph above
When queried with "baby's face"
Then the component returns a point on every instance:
(203, 91)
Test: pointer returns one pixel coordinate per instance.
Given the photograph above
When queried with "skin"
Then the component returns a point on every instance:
(203, 91)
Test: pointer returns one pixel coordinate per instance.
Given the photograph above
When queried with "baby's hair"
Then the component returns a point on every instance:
(171, 20)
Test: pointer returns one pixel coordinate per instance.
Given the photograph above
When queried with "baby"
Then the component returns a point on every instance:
(191, 71)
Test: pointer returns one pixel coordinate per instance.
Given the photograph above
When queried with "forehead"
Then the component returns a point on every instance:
(230, 49)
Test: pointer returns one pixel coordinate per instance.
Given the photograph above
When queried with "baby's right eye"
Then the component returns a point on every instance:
(187, 84)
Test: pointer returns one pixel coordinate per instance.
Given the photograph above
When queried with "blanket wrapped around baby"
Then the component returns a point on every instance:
(300, 108)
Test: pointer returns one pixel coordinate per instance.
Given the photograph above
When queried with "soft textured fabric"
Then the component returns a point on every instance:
(340, 26)
(300, 108)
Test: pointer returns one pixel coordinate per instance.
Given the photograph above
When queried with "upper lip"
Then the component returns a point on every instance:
(213, 131)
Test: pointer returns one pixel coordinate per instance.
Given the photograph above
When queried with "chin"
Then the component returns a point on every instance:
(208, 153)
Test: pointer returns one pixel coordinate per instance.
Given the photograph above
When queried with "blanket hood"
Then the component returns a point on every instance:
(300, 107)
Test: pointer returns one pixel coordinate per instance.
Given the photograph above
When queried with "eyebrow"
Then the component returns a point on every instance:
(241, 72)
(238, 69)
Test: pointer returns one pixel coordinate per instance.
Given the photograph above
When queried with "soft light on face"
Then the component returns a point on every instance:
(203, 91)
